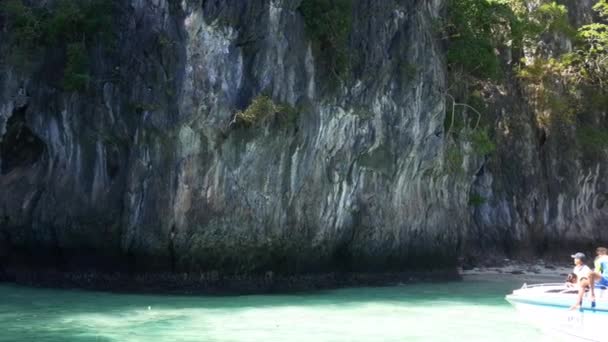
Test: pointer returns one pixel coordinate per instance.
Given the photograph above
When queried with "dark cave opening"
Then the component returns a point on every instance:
(19, 147)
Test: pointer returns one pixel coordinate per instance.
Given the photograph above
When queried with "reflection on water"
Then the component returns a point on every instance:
(459, 311)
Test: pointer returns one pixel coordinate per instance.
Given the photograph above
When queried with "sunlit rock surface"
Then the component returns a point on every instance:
(147, 171)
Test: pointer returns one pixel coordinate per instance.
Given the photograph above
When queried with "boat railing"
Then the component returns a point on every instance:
(526, 286)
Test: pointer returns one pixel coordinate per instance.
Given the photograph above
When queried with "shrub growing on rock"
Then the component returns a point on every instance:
(260, 108)
(263, 108)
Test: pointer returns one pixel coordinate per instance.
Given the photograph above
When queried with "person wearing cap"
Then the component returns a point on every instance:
(584, 274)
(581, 270)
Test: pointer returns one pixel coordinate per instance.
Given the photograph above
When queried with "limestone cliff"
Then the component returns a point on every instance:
(148, 168)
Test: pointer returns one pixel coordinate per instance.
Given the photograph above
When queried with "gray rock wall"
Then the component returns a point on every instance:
(545, 191)
(147, 171)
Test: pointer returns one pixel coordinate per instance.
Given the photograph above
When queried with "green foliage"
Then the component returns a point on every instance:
(588, 62)
(72, 21)
(328, 25)
(479, 29)
(477, 200)
(562, 107)
(595, 100)
(476, 29)
(25, 26)
(553, 90)
(454, 159)
(475, 56)
(467, 114)
(481, 142)
(549, 17)
(540, 70)
(263, 107)
(466, 128)
(24, 23)
(452, 121)
(288, 113)
(591, 56)
(562, 88)
(602, 8)
(592, 139)
(595, 37)
(76, 73)
(574, 82)
(66, 25)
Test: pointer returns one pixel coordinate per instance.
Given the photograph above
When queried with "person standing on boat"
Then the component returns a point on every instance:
(584, 274)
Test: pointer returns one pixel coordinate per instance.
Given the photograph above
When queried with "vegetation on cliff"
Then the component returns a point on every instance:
(570, 89)
(328, 24)
(490, 41)
(263, 108)
(66, 28)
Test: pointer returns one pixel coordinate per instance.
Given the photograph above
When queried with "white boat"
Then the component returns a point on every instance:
(547, 307)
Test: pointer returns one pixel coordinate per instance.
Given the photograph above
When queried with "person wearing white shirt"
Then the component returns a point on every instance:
(582, 272)
(580, 269)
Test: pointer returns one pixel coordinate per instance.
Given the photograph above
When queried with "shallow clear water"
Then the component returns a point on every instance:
(472, 310)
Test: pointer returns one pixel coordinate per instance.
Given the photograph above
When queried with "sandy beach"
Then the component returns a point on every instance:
(526, 272)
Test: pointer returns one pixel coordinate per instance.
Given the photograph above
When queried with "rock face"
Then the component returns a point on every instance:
(147, 170)
(546, 192)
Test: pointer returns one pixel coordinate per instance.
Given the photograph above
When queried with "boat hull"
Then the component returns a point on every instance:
(553, 315)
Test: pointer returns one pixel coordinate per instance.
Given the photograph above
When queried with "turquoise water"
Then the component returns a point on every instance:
(472, 310)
